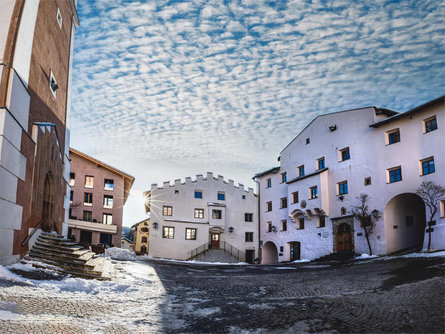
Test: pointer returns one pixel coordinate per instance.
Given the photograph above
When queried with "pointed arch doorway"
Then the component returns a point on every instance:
(48, 203)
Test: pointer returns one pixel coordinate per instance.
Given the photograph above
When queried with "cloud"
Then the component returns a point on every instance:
(163, 90)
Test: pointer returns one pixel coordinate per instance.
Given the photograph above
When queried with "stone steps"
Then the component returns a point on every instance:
(216, 255)
(65, 257)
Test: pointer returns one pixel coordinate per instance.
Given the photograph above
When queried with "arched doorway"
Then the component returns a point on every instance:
(48, 203)
(270, 253)
(405, 222)
(343, 238)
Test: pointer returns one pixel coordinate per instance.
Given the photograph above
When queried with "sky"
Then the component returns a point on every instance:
(168, 89)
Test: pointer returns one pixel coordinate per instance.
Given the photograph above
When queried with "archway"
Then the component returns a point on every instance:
(343, 238)
(48, 203)
(270, 253)
(405, 222)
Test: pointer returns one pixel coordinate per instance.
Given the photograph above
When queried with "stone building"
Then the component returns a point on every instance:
(97, 196)
(305, 202)
(141, 237)
(36, 49)
(190, 218)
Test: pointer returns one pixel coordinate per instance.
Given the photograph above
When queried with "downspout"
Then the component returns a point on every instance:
(259, 220)
(8, 55)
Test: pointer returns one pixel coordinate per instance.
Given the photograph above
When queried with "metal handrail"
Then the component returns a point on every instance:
(228, 248)
(199, 250)
(32, 233)
(232, 250)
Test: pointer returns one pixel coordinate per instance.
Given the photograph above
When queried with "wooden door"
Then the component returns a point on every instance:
(294, 251)
(215, 240)
(250, 256)
(344, 238)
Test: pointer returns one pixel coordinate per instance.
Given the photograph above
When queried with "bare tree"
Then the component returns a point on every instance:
(367, 219)
(430, 193)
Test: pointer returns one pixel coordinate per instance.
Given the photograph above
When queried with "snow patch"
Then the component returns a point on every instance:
(365, 256)
(301, 261)
(5, 274)
(260, 307)
(425, 254)
(120, 254)
(7, 315)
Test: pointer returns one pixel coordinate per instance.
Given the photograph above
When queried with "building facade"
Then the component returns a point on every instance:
(305, 202)
(97, 198)
(36, 49)
(206, 212)
(141, 237)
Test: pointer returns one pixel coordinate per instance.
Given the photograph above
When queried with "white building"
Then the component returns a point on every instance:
(188, 218)
(306, 201)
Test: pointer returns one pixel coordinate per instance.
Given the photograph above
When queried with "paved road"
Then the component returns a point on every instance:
(398, 295)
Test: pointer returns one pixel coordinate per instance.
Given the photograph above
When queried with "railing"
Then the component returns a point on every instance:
(32, 233)
(228, 248)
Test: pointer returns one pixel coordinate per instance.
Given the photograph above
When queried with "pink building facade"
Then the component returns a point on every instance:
(97, 198)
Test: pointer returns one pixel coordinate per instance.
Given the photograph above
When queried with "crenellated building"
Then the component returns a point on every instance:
(305, 202)
(36, 50)
(189, 218)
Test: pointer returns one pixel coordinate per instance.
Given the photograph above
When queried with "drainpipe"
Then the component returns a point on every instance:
(259, 210)
(8, 55)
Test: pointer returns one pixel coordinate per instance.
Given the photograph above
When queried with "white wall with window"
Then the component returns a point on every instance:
(188, 214)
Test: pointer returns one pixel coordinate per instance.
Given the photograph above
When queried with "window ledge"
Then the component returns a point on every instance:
(108, 207)
(87, 204)
(89, 187)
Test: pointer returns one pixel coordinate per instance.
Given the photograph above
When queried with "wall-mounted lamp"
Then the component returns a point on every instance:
(341, 197)
(230, 229)
(274, 229)
(155, 226)
(333, 127)
(375, 214)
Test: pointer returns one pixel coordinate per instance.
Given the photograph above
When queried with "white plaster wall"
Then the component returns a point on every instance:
(6, 247)
(10, 129)
(6, 8)
(11, 216)
(18, 100)
(11, 159)
(184, 205)
(23, 48)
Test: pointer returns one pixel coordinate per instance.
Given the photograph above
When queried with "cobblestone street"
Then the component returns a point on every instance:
(392, 295)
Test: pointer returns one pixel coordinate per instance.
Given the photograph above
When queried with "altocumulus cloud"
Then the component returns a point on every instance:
(167, 89)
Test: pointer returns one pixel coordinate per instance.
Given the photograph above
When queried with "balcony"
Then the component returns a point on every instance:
(91, 226)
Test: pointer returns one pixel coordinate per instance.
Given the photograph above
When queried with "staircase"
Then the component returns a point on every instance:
(339, 257)
(226, 253)
(66, 257)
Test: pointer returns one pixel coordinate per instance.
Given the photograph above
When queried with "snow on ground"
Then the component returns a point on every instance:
(301, 261)
(120, 254)
(365, 256)
(6, 274)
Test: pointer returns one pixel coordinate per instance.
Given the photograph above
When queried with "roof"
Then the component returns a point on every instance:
(272, 170)
(307, 175)
(142, 221)
(409, 112)
(128, 179)
(385, 111)
(128, 240)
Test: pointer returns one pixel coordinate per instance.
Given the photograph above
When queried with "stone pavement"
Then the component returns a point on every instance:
(396, 295)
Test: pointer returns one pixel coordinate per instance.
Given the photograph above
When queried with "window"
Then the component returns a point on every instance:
(168, 232)
(243, 196)
(342, 188)
(249, 236)
(88, 199)
(442, 208)
(108, 201)
(427, 166)
(216, 214)
(248, 217)
(281, 249)
(144, 240)
(345, 154)
(72, 179)
(321, 221)
(71, 195)
(88, 216)
(198, 193)
(367, 181)
(190, 233)
(284, 225)
(108, 184)
(269, 226)
(176, 192)
(343, 211)
(105, 238)
(300, 225)
(395, 174)
(167, 210)
(308, 140)
(393, 136)
(199, 213)
(269, 206)
(268, 183)
(301, 170)
(221, 196)
(284, 177)
(295, 197)
(430, 124)
(89, 181)
(409, 220)
(283, 202)
(107, 218)
(321, 163)
(313, 192)
(59, 18)
(53, 86)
